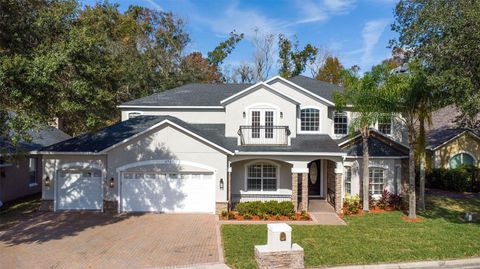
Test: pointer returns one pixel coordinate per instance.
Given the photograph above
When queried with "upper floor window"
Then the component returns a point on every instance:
(348, 180)
(32, 171)
(310, 120)
(376, 177)
(461, 159)
(340, 124)
(262, 177)
(385, 124)
(132, 115)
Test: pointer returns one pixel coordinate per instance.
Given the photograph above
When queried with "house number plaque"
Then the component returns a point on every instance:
(283, 236)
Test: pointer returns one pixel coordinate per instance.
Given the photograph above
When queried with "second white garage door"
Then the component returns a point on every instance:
(161, 192)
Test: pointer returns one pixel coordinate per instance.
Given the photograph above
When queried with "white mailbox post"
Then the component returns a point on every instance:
(279, 252)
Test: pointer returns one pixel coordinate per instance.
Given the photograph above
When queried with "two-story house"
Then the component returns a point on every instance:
(205, 147)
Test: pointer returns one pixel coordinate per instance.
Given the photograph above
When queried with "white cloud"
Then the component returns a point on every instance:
(371, 34)
(322, 10)
(154, 4)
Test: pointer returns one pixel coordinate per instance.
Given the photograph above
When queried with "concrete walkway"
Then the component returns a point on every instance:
(472, 263)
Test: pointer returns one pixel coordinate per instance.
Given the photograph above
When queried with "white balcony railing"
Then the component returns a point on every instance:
(264, 135)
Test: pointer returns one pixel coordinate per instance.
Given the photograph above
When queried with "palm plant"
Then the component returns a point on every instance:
(363, 95)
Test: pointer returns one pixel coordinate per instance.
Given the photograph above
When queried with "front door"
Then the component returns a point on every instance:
(314, 179)
(262, 121)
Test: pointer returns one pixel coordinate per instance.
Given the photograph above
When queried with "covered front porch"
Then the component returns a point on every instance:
(312, 183)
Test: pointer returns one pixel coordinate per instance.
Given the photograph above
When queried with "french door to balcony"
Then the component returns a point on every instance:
(262, 121)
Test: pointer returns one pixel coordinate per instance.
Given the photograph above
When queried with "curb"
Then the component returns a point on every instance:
(465, 263)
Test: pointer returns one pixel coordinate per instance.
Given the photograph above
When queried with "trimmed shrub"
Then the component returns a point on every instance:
(460, 179)
(259, 208)
(351, 204)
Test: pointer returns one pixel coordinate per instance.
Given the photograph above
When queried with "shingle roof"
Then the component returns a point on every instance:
(194, 94)
(97, 141)
(439, 136)
(301, 143)
(40, 138)
(378, 146)
(210, 94)
(317, 87)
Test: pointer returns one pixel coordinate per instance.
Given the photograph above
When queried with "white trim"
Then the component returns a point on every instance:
(301, 89)
(277, 175)
(270, 153)
(174, 107)
(5, 165)
(299, 170)
(299, 124)
(160, 124)
(268, 87)
(66, 153)
(390, 135)
(164, 161)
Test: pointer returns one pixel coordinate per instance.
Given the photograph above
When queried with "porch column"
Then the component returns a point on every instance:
(338, 186)
(229, 187)
(304, 191)
(295, 190)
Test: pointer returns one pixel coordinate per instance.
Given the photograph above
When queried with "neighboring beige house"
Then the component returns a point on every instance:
(205, 147)
(20, 173)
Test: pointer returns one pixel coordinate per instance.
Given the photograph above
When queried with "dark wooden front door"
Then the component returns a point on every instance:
(314, 178)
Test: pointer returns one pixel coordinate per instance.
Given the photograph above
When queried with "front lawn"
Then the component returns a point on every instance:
(373, 238)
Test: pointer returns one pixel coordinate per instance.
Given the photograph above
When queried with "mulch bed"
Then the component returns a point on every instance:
(417, 219)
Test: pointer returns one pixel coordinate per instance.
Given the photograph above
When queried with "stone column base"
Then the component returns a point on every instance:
(110, 206)
(221, 206)
(46, 205)
(279, 259)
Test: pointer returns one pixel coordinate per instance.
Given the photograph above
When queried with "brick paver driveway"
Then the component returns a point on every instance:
(96, 240)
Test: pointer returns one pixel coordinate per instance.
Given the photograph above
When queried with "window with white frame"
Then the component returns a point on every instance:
(340, 123)
(262, 177)
(132, 115)
(377, 180)
(461, 159)
(385, 124)
(310, 120)
(348, 180)
(32, 171)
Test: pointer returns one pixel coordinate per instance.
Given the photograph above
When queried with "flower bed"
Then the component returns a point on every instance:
(268, 211)
(352, 205)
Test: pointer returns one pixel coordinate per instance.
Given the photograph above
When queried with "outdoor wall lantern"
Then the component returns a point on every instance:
(221, 183)
(47, 182)
(111, 183)
(281, 114)
(244, 114)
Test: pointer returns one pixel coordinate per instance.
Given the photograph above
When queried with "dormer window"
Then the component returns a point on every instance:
(385, 124)
(340, 123)
(310, 120)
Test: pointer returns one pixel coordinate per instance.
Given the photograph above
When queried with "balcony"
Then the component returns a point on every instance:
(264, 135)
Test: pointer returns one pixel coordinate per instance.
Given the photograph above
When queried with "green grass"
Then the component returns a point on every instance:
(373, 238)
(13, 211)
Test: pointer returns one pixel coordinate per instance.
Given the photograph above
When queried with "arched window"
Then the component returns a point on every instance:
(262, 176)
(310, 120)
(461, 159)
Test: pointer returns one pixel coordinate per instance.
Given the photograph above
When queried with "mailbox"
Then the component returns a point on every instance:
(279, 237)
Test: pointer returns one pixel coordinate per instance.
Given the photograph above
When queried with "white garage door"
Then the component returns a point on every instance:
(79, 190)
(157, 192)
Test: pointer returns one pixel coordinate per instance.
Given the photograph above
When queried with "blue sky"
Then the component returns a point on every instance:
(357, 31)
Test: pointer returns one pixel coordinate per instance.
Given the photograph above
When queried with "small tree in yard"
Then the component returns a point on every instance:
(363, 94)
(409, 95)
